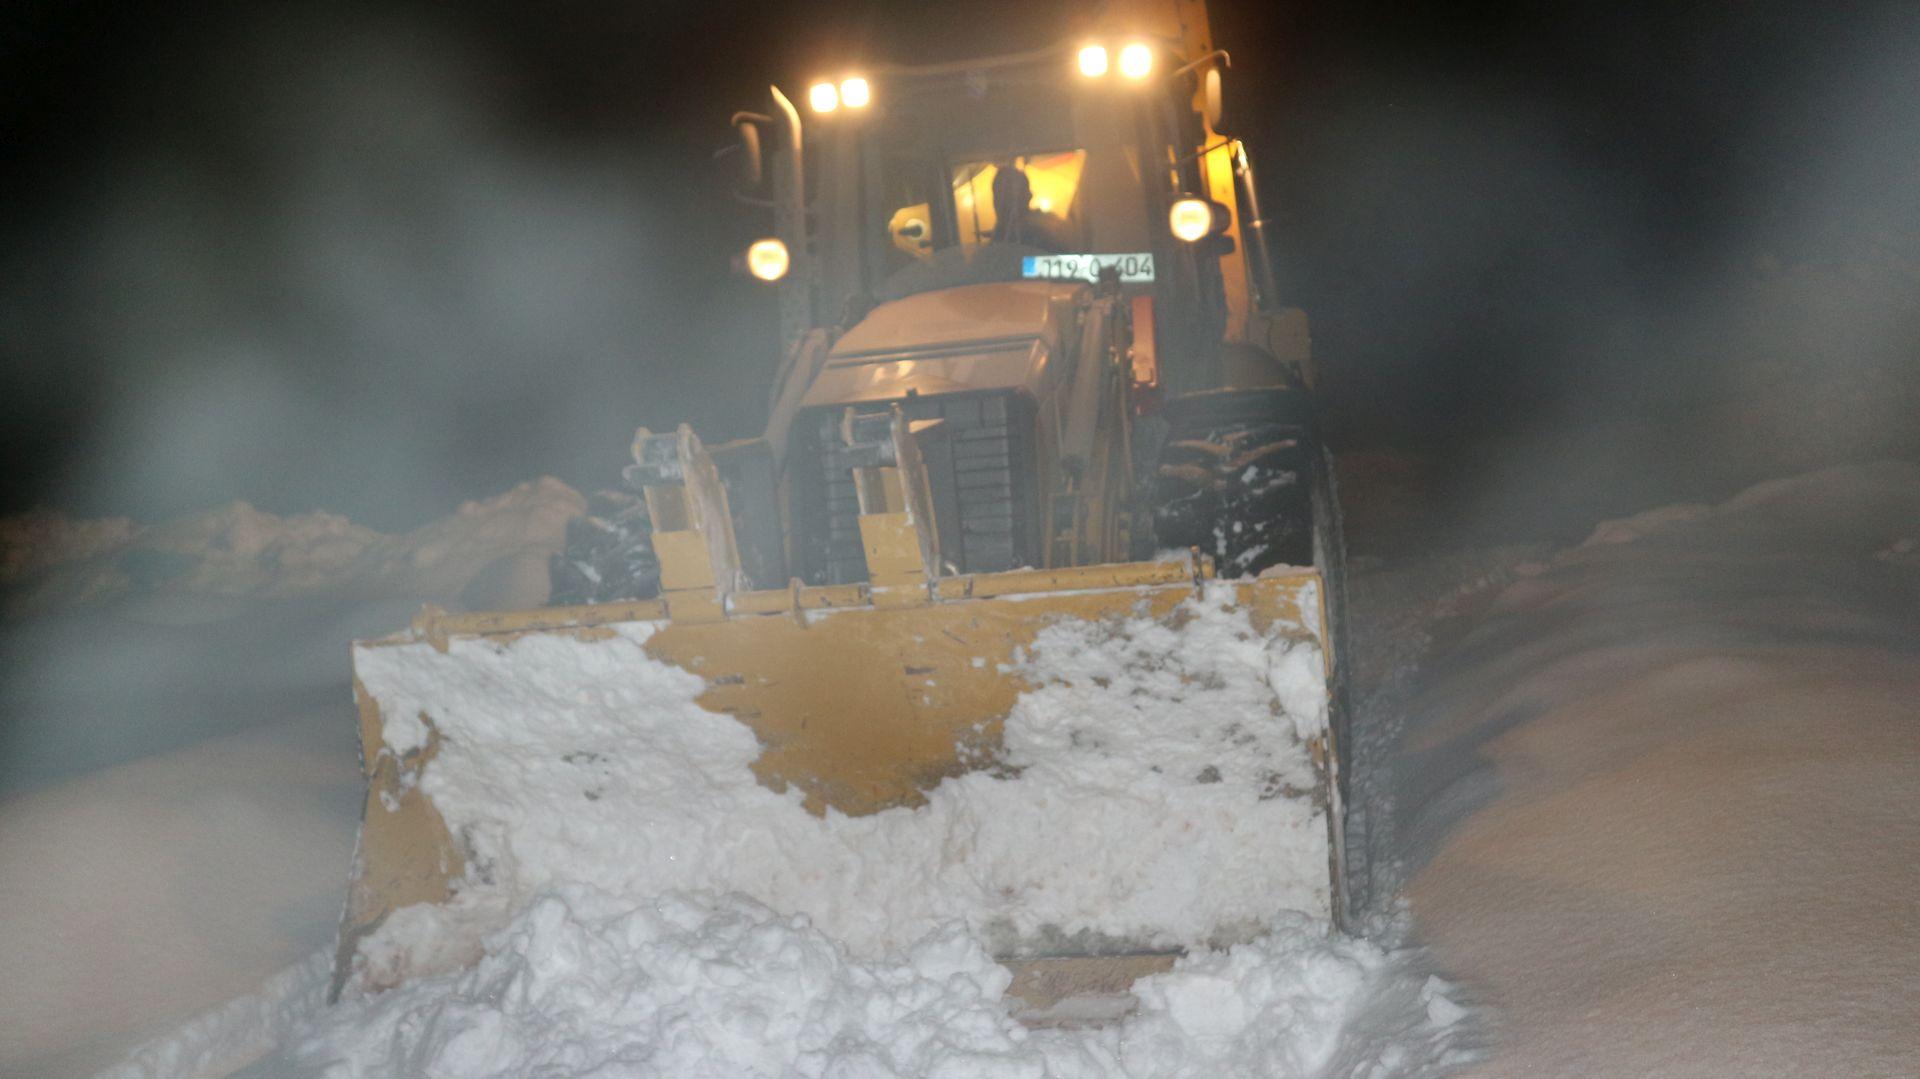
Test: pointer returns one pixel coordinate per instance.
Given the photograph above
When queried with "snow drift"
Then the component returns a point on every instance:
(1662, 799)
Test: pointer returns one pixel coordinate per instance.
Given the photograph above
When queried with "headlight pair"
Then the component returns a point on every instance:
(1136, 60)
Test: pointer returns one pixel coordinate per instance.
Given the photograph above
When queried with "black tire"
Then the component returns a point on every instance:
(1234, 479)
(609, 554)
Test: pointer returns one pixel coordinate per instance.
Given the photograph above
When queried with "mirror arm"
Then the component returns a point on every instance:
(1224, 142)
(1217, 54)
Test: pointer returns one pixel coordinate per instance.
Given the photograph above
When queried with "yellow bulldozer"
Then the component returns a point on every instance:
(1033, 370)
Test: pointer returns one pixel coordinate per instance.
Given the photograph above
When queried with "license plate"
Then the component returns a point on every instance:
(1134, 269)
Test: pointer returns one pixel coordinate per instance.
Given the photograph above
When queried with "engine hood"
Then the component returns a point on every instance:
(976, 337)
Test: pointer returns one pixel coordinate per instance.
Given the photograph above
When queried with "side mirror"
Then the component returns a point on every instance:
(752, 170)
(1210, 97)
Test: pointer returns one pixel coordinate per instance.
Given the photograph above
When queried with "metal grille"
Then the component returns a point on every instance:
(982, 471)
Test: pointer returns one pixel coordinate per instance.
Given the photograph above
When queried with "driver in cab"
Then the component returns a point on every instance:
(1015, 219)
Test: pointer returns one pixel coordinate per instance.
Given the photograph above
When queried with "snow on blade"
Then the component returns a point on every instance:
(693, 985)
(1150, 792)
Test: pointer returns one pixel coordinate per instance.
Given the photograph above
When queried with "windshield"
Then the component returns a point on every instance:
(1023, 198)
(966, 178)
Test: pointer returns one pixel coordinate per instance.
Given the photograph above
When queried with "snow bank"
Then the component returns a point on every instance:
(1155, 786)
(1662, 800)
(691, 984)
(178, 786)
(491, 551)
(238, 1033)
(33, 543)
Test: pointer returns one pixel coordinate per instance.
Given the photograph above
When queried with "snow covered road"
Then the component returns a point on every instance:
(1654, 803)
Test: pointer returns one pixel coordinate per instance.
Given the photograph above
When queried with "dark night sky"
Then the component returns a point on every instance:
(379, 259)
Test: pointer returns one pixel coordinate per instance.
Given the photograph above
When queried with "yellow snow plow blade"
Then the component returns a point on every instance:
(861, 697)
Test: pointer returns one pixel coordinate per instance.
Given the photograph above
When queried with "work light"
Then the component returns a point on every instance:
(823, 97)
(1136, 61)
(855, 93)
(1191, 219)
(768, 259)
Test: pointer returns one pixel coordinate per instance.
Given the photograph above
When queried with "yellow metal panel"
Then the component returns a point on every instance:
(875, 706)
(683, 560)
(405, 855)
(893, 549)
(1064, 578)
(833, 597)
(769, 601)
(493, 623)
(696, 605)
(1217, 167)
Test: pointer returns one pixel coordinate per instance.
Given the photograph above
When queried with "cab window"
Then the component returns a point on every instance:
(1030, 199)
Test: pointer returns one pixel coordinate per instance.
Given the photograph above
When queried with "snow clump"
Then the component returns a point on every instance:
(694, 984)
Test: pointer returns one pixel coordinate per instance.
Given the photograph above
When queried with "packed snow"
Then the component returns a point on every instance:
(695, 984)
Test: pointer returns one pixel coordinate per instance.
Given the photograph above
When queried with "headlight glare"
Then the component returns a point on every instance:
(823, 97)
(1190, 219)
(1136, 61)
(1093, 61)
(768, 259)
(855, 93)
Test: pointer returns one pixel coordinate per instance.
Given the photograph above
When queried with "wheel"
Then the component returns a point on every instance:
(1237, 485)
(609, 554)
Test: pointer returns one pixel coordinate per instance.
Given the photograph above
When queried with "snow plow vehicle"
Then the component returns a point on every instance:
(1034, 375)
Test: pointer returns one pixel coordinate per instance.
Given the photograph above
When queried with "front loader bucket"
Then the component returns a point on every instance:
(861, 702)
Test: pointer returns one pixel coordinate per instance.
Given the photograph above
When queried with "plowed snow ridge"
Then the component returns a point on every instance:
(1661, 802)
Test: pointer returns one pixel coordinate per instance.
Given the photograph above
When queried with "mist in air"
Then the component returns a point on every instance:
(379, 262)
(332, 266)
(358, 267)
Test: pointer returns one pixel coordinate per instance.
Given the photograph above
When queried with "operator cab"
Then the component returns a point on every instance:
(1010, 169)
